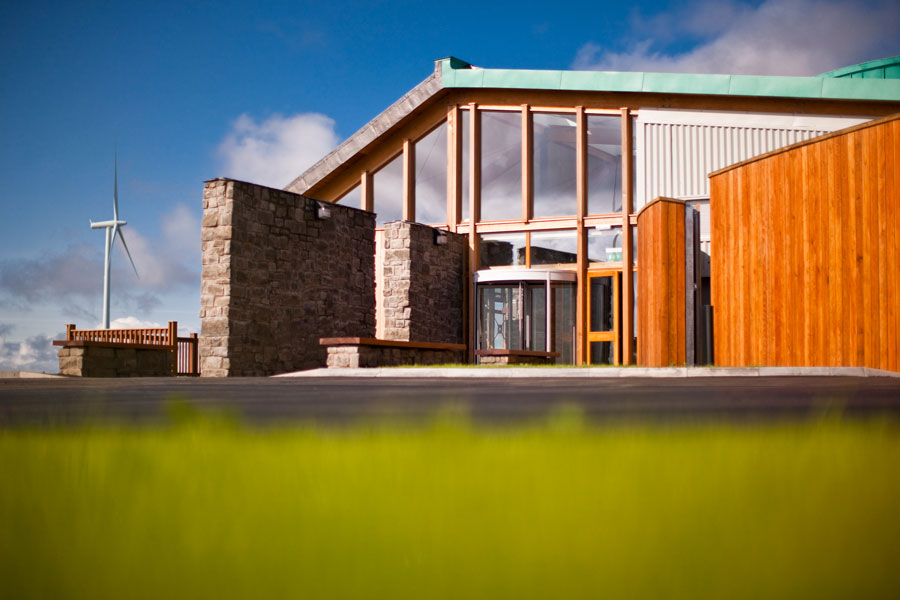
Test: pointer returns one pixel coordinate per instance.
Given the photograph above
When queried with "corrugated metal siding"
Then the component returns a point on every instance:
(678, 157)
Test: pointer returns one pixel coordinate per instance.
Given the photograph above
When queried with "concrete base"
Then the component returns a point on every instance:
(598, 372)
(515, 359)
(27, 375)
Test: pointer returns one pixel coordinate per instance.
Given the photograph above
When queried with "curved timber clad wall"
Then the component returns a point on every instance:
(666, 295)
(806, 253)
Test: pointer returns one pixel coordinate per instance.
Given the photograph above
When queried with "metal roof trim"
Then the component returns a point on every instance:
(863, 66)
(669, 83)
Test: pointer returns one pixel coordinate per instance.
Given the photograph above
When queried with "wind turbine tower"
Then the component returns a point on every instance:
(113, 228)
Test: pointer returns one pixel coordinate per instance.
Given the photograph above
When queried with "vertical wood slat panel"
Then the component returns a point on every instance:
(661, 285)
(878, 158)
(805, 253)
(892, 190)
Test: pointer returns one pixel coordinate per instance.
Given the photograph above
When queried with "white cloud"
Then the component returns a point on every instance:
(36, 353)
(275, 151)
(165, 263)
(778, 37)
(69, 281)
(133, 323)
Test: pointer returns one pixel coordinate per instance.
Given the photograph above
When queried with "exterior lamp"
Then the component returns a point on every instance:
(323, 211)
(440, 237)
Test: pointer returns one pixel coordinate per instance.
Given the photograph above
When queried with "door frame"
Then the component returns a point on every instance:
(604, 336)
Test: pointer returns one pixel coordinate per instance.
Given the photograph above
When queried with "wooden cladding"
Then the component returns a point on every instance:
(667, 249)
(806, 253)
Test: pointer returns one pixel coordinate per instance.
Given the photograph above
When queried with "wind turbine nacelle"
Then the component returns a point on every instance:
(105, 224)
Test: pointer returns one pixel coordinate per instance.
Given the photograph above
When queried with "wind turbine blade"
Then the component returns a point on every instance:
(124, 245)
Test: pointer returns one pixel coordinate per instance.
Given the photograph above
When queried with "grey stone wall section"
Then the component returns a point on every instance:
(381, 356)
(96, 361)
(423, 284)
(275, 279)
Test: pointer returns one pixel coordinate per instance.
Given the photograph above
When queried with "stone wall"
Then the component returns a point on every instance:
(379, 356)
(423, 284)
(98, 361)
(276, 279)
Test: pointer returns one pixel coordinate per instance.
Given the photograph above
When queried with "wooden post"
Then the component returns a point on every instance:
(527, 164)
(173, 342)
(70, 332)
(409, 180)
(454, 167)
(627, 258)
(194, 355)
(474, 217)
(365, 192)
(581, 324)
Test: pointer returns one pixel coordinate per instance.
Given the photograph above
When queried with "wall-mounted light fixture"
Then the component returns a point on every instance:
(440, 237)
(323, 211)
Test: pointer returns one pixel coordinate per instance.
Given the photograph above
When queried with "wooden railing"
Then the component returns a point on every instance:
(161, 336)
(186, 360)
(187, 357)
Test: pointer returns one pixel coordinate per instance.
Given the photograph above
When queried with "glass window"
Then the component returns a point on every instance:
(464, 123)
(387, 189)
(502, 250)
(602, 353)
(554, 165)
(351, 198)
(563, 312)
(604, 164)
(554, 247)
(634, 244)
(501, 166)
(536, 316)
(605, 245)
(602, 297)
(500, 316)
(431, 177)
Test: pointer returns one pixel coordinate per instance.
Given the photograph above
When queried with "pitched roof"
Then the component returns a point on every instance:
(453, 73)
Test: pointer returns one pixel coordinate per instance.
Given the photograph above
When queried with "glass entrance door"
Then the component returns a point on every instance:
(512, 316)
(526, 310)
(603, 318)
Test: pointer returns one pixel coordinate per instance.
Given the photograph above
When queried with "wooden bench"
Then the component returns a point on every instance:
(358, 352)
(515, 357)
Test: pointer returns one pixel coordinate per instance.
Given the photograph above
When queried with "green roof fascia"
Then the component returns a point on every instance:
(602, 80)
(670, 83)
(866, 66)
(856, 88)
(763, 85)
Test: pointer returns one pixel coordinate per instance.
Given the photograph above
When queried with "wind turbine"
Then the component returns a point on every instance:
(112, 228)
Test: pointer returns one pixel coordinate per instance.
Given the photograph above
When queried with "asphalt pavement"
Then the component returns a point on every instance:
(63, 401)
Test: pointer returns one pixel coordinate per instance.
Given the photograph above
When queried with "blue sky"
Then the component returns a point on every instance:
(195, 90)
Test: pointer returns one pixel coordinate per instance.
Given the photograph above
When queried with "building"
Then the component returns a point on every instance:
(544, 177)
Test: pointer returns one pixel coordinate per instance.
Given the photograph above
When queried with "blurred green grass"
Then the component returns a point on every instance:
(208, 508)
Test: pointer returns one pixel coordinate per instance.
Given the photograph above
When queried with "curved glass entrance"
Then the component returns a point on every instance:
(526, 309)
